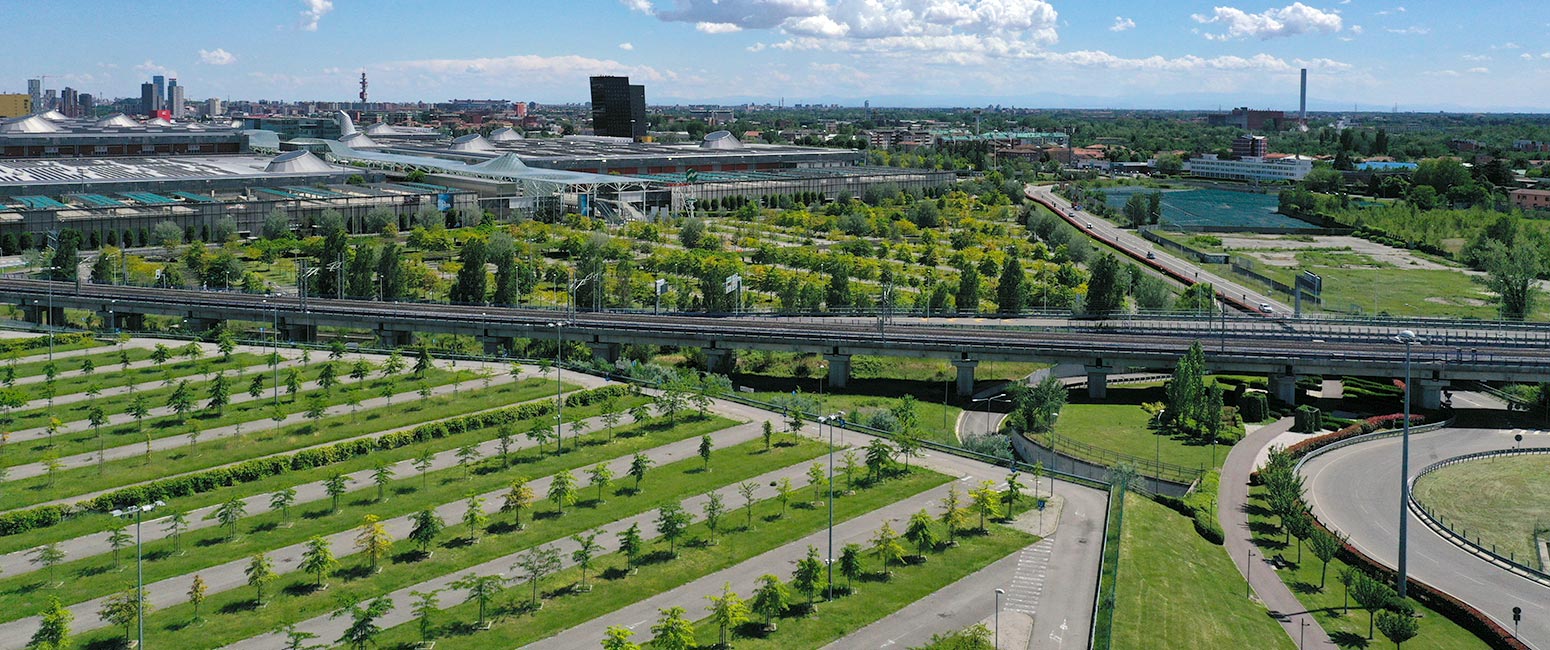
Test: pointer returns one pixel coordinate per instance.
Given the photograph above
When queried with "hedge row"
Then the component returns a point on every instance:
(1369, 425)
(257, 469)
(1198, 507)
(11, 346)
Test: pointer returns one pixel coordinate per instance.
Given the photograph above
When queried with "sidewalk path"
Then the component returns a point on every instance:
(1232, 501)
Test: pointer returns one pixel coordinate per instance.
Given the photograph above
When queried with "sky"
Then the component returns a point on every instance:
(1169, 54)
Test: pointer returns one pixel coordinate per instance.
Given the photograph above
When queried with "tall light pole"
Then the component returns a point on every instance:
(559, 399)
(139, 513)
(274, 354)
(1408, 338)
(999, 593)
(837, 418)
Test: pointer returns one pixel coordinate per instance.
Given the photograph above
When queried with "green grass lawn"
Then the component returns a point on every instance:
(1118, 424)
(1500, 501)
(1176, 590)
(102, 361)
(1349, 630)
(42, 352)
(613, 589)
(1432, 293)
(876, 597)
(228, 615)
(937, 422)
(96, 576)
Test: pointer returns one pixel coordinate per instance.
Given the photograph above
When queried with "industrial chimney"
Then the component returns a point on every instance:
(1302, 106)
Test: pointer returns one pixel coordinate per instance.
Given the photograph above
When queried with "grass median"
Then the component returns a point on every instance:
(1498, 502)
(229, 615)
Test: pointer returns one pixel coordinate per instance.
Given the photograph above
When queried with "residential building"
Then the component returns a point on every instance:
(15, 105)
(1250, 169)
(618, 108)
(1530, 199)
(213, 106)
(1248, 120)
(159, 100)
(35, 92)
(148, 103)
(175, 99)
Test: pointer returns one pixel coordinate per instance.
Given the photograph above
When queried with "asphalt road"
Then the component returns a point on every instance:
(1356, 490)
(1111, 234)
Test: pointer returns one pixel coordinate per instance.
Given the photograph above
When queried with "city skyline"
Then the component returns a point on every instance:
(1025, 53)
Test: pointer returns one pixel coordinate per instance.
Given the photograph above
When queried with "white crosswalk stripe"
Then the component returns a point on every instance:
(1022, 595)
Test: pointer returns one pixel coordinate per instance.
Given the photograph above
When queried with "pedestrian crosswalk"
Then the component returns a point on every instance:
(1022, 595)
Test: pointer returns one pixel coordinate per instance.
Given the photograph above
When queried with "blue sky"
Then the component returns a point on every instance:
(1425, 55)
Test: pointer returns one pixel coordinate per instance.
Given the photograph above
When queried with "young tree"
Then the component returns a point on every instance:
(1012, 494)
(181, 400)
(482, 589)
(746, 490)
(885, 544)
(196, 594)
(672, 521)
(372, 538)
(638, 466)
(600, 476)
(1371, 595)
(783, 494)
(335, 487)
(817, 478)
(394, 364)
(850, 464)
(850, 564)
(618, 638)
(474, 517)
(879, 456)
(426, 605)
(714, 510)
(705, 452)
(118, 538)
(229, 513)
(53, 631)
(808, 576)
(256, 387)
(562, 491)
(122, 609)
(318, 559)
(260, 572)
(422, 464)
(953, 516)
(1399, 627)
(771, 600)
(631, 545)
(381, 475)
(727, 611)
(673, 631)
(363, 630)
(984, 502)
(769, 434)
(587, 549)
(919, 532)
(427, 527)
(536, 564)
(639, 414)
(467, 455)
(97, 417)
(220, 394)
(176, 524)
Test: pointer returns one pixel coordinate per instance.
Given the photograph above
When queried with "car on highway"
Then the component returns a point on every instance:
(1265, 307)
(1089, 225)
(1151, 255)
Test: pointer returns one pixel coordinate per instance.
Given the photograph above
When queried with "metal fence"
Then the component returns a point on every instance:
(1485, 550)
(1108, 573)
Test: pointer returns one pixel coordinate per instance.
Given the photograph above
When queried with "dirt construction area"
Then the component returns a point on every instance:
(1348, 252)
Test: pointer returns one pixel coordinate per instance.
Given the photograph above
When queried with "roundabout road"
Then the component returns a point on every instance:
(1355, 490)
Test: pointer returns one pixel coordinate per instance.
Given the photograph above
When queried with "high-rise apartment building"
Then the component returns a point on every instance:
(618, 108)
(35, 92)
(67, 102)
(85, 104)
(213, 106)
(160, 88)
(175, 99)
(148, 103)
(1250, 146)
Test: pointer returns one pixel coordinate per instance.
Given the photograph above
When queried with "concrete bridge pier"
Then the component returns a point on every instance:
(1283, 388)
(38, 314)
(129, 321)
(720, 360)
(196, 325)
(391, 338)
(839, 369)
(965, 375)
(497, 346)
(607, 352)
(1428, 393)
(300, 332)
(1098, 380)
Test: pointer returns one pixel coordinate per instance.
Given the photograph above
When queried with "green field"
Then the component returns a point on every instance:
(1176, 590)
(1118, 424)
(1348, 630)
(1433, 293)
(937, 422)
(1499, 502)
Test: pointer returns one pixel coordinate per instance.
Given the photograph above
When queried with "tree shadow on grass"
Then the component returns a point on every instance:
(1301, 587)
(266, 527)
(244, 605)
(504, 527)
(655, 557)
(316, 514)
(355, 572)
(1349, 640)
(301, 588)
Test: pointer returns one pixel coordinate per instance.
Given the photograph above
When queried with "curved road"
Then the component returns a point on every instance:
(1355, 490)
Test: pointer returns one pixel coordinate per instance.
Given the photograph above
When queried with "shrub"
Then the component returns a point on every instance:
(1254, 407)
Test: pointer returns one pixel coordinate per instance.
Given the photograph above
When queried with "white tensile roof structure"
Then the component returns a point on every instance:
(721, 140)
(471, 142)
(117, 119)
(29, 124)
(506, 134)
(293, 162)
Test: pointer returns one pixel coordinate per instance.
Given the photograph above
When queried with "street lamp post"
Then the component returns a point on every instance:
(999, 593)
(1248, 576)
(1408, 338)
(559, 399)
(139, 513)
(831, 420)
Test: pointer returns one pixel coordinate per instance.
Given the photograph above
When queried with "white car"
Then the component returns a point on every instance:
(1265, 307)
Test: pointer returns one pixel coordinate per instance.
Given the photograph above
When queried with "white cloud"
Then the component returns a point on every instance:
(152, 68)
(1476, 57)
(527, 66)
(1357, 29)
(314, 12)
(1189, 63)
(1413, 30)
(717, 28)
(627, 46)
(1479, 70)
(951, 29)
(1291, 20)
(1121, 24)
(217, 56)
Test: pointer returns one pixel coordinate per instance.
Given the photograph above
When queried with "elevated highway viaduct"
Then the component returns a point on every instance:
(1278, 348)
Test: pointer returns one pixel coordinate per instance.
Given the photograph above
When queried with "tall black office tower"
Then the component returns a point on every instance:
(618, 108)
